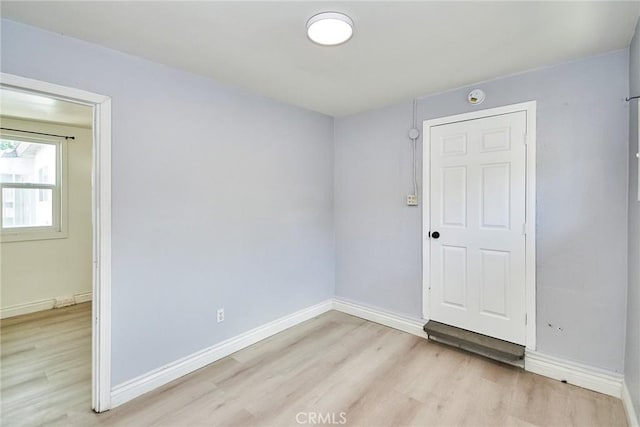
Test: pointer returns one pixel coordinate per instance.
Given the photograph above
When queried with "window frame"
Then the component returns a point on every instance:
(59, 227)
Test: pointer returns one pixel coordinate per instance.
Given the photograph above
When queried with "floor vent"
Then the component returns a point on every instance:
(490, 347)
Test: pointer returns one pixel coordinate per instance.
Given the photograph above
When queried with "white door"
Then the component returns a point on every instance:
(477, 225)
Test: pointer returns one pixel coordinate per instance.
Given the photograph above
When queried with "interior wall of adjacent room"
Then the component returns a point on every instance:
(38, 270)
(632, 348)
(582, 152)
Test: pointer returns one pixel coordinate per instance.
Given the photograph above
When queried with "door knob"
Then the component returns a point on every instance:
(435, 234)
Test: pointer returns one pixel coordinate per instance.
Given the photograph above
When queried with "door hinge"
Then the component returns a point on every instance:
(526, 139)
(526, 319)
(524, 228)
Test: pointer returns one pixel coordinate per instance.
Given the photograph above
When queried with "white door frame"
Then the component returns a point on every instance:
(101, 219)
(530, 228)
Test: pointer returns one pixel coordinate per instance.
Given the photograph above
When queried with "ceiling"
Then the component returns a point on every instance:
(399, 50)
(28, 106)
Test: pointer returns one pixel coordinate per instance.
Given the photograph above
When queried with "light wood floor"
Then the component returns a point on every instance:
(45, 365)
(334, 363)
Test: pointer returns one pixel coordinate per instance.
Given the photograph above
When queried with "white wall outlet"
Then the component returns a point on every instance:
(412, 200)
(220, 315)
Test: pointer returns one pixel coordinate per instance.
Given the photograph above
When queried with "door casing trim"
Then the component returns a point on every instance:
(101, 219)
(530, 209)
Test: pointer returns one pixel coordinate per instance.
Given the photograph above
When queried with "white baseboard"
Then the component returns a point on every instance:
(574, 373)
(30, 307)
(85, 297)
(42, 305)
(394, 321)
(632, 417)
(158, 377)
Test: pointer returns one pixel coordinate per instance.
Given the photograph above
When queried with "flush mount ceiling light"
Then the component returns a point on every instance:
(329, 28)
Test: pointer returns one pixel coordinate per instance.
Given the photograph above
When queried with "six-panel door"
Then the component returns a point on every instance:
(477, 265)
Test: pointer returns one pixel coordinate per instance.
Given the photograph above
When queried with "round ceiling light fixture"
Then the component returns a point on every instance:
(329, 28)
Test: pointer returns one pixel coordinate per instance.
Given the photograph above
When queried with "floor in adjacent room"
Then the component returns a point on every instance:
(45, 365)
(333, 364)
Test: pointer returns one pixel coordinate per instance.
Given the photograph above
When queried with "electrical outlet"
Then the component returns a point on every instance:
(220, 315)
(412, 200)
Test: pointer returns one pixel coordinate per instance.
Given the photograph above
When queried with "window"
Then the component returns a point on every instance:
(31, 196)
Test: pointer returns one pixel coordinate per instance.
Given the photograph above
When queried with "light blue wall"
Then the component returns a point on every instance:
(253, 181)
(220, 199)
(632, 349)
(582, 142)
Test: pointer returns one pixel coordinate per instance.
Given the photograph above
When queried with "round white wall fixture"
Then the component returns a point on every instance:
(329, 28)
(476, 96)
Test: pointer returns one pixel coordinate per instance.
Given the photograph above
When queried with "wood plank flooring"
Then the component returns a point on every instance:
(334, 366)
(45, 366)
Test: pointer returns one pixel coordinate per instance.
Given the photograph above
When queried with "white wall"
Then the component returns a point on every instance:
(42, 270)
(582, 156)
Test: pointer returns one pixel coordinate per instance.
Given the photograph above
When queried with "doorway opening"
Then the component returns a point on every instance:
(56, 191)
